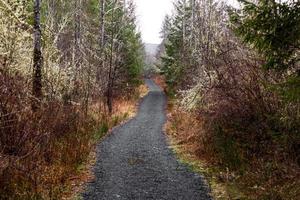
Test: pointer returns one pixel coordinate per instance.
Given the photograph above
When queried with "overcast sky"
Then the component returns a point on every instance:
(150, 14)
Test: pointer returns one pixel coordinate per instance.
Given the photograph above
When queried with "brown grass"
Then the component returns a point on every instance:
(185, 133)
(160, 81)
(124, 109)
(42, 152)
(45, 154)
(264, 178)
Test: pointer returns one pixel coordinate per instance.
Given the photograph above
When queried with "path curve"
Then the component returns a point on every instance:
(135, 161)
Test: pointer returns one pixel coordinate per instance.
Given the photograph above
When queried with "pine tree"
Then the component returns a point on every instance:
(177, 31)
(272, 28)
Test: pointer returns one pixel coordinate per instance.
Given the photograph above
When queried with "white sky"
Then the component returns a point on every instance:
(150, 15)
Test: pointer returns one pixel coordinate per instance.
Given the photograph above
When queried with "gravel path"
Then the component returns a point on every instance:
(135, 162)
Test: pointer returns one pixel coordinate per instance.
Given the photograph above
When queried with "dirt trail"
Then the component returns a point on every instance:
(135, 162)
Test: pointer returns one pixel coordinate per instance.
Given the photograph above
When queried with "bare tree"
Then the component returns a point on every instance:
(37, 56)
(77, 39)
(101, 38)
(109, 91)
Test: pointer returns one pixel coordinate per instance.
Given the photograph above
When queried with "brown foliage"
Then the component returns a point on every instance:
(160, 81)
(38, 150)
(243, 116)
(41, 152)
(264, 177)
(244, 127)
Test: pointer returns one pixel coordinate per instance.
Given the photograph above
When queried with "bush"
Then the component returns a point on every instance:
(39, 150)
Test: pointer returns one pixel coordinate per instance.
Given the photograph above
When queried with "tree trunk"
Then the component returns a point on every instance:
(101, 39)
(77, 48)
(184, 25)
(77, 36)
(109, 92)
(37, 56)
(102, 24)
(193, 22)
(110, 84)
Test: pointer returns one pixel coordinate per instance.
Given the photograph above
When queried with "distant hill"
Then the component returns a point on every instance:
(150, 60)
(151, 50)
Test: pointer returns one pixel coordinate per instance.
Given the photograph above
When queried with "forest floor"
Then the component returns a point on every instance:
(136, 162)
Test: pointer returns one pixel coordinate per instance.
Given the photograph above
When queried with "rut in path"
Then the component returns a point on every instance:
(135, 162)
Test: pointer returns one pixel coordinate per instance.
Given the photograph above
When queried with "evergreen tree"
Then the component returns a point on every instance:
(274, 30)
(176, 30)
(271, 27)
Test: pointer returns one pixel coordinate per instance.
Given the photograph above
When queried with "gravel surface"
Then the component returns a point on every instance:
(135, 161)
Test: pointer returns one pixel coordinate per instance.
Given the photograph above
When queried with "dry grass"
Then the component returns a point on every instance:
(142, 90)
(185, 133)
(183, 129)
(76, 183)
(128, 106)
(50, 150)
(160, 81)
(124, 109)
(45, 154)
(261, 178)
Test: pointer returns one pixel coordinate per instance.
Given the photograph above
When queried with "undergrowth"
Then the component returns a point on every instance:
(230, 175)
(238, 162)
(43, 152)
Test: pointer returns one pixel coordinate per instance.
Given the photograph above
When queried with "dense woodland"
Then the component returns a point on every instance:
(235, 73)
(232, 76)
(63, 64)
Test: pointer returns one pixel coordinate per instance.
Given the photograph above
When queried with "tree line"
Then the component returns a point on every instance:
(79, 41)
(237, 69)
(62, 66)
